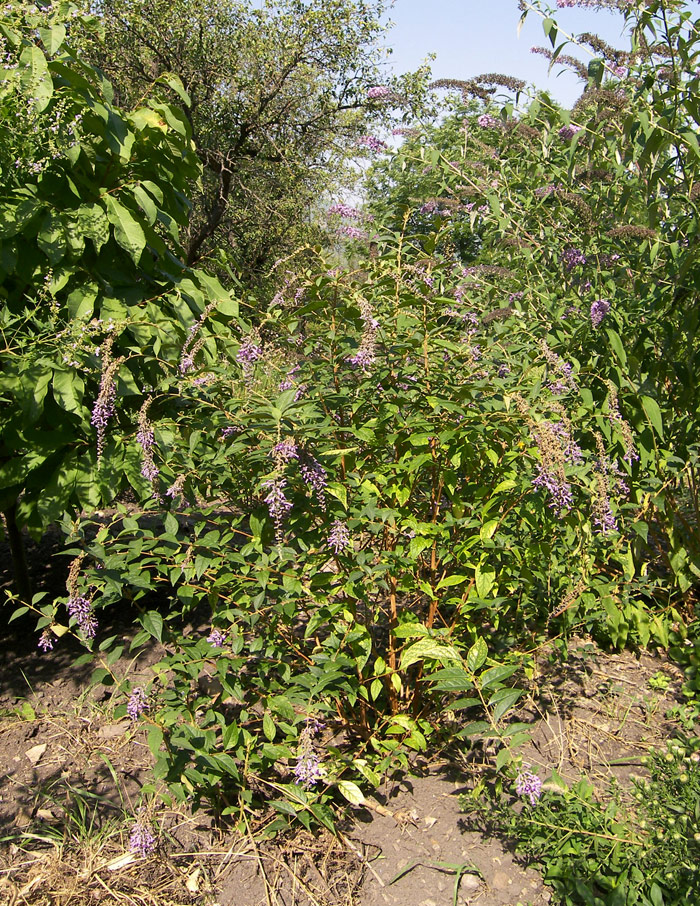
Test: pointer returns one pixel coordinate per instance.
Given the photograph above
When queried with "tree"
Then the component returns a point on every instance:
(278, 100)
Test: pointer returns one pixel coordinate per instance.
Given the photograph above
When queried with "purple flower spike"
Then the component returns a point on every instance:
(217, 638)
(528, 785)
(339, 537)
(599, 309)
(137, 704)
(142, 840)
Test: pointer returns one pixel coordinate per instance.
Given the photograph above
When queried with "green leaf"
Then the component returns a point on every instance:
(53, 37)
(351, 792)
(485, 576)
(653, 413)
(152, 622)
(487, 530)
(92, 220)
(428, 648)
(127, 230)
(36, 79)
(68, 390)
(477, 655)
(269, 728)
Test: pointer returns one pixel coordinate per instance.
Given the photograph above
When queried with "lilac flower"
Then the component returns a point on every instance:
(316, 478)
(544, 191)
(568, 132)
(351, 232)
(277, 504)
(80, 608)
(486, 121)
(346, 211)
(137, 704)
(229, 430)
(217, 638)
(339, 537)
(308, 770)
(528, 785)
(372, 143)
(603, 516)
(288, 382)
(175, 489)
(366, 354)
(46, 641)
(503, 370)
(142, 841)
(560, 497)
(572, 257)
(428, 208)
(285, 451)
(104, 407)
(599, 309)
(192, 345)
(146, 440)
(378, 91)
(249, 352)
(617, 421)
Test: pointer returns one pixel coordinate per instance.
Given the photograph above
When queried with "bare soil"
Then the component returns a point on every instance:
(71, 778)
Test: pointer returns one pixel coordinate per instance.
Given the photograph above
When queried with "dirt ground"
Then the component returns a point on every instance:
(71, 777)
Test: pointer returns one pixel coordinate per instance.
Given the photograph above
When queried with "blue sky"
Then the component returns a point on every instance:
(477, 36)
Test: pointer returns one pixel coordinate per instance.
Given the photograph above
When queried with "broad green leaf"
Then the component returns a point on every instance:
(477, 655)
(428, 648)
(36, 78)
(653, 413)
(351, 792)
(485, 576)
(127, 230)
(68, 390)
(92, 220)
(152, 622)
(53, 37)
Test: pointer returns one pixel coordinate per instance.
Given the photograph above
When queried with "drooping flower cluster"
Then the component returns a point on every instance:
(378, 92)
(528, 785)
(46, 641)
(345, 211)
(486, 121)
(176, 488)
(564, 370)
(351, 232)
(617, 421)
(146, 439)
(249, 352)
(603, 516)
(308, 769)
(367, 352)
(288, 381)
(572, 257)
(285, 451)
(277, 503)
(104, 406)
(137, 704)
(315, 477)
(192, 345)
(79, 606)
(599, 309)
(568, 132)
(339, 537)
(372, 143)
(142, 840)
(557, 449)
(217, 638)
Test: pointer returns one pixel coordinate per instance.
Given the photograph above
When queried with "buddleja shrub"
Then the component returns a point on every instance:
(352, 502)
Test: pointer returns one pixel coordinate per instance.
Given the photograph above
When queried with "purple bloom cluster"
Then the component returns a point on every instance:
(486, 121)
(277, 504)
(316, 478)
(345, 229)
(80, 608)
(142, 840)
(137, 704)
(285, 451)
(308, 770)
(346, 211)
(339, 537)
(217, 638)
(572, 257)
(146, 440)
(249, 352)
(46, 641)
(568, 132)
(372, 143)
(544, 191)
(599, 309)
(528, 785)
(378, 91)
(559, 490)
(104, 407)
(366, 354)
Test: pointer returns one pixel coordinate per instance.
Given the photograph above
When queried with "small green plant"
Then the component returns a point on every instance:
(641, 851)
